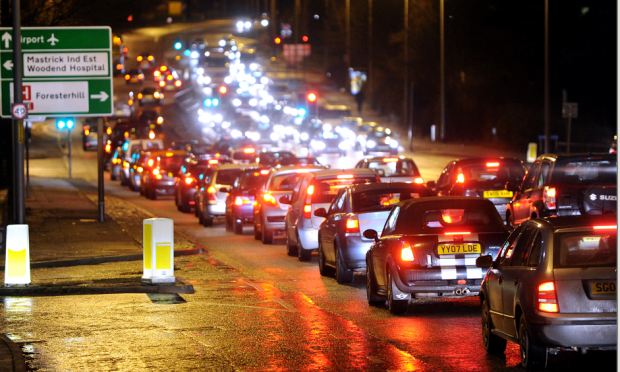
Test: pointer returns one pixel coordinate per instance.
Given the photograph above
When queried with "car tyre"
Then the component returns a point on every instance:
(207, 219)
(112, 175)
(228, 224)
(396, 307)
(291, 249)
(343, 276)
(266, 235)
(302, 254)
(324, 269)
(237, 226)
(257, 233)
(492, 343)
(532, 356)
(184, 206)
(371, 289)
(151, 193)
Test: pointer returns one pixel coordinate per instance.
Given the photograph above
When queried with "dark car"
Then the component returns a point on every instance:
(379, 139)
(342, 248)
(272, 157)
(552, 287)
(150, 95)
(330, 143)
(159, 177)
(240, 199)
(116, 163)
(428, 248)
(134, 76)
(188, 177)
(192, 146)
(566, 185)
(90, 136)
(495, 179)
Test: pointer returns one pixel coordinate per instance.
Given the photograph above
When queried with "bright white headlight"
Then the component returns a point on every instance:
(274, 136)
(253, 102)
(236, 102)
(304, 136)
(393, 144)
(371, 144)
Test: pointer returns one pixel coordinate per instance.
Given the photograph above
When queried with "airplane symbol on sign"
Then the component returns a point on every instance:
(53, 40)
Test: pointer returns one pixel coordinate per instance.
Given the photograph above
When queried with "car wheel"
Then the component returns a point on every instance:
(237, 226)
(257, 234)
(152, 193)
(197, 210)
(302, 254)
(184, 206)
(343, 276)
(371, 289)
(396, 306)
(228, 223)
(112, 175)
(492, 343)
(532, 356)
(207, 220)
(266, 235)
(291, 249)
(200, 215)
(323, 268)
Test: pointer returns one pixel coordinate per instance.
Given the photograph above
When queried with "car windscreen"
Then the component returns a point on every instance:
(227, 176)
(489, 174)
(252, 179)
(171, 162)
(585, 249)
(389, 168)
(585, 172)
(284, 182)
(382, 200)
(326, 189)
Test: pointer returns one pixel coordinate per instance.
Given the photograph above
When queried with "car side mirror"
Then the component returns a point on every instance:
(285, 199)
(431, 184)
(320, 212)
(371, 234)
(484, 261)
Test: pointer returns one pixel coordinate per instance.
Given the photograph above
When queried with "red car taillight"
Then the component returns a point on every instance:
(240, 200)
(406, 253)
(268, 198)
(189, 180)
(352, 226)
(549, 197)
(211, 193)
(307, 210)
(546, 300)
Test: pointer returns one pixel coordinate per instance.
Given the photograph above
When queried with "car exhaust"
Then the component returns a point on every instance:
(465, 291)
(458, 292)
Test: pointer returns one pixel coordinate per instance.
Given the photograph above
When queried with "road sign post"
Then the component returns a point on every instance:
(66, 71)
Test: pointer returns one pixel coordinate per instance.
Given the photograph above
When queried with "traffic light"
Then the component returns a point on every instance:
(65, 123)
(311, 97)
(178, 45)
(312, 104)
(277, 40)
(305, 38)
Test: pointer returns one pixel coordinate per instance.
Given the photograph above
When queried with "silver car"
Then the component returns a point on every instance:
(269, 214)
(214, 190)
(393, 168)
(315, 190)
(552, 287)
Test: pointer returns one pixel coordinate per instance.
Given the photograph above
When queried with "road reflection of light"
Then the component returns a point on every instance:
(17, 306)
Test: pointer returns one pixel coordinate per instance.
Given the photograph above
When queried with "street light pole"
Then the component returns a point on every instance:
(370, 48)
(348, 26)
(442, 108)
(546, 76)
(406, 77)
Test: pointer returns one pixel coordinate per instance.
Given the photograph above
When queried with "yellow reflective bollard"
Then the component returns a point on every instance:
(159, 250)
(17, 259)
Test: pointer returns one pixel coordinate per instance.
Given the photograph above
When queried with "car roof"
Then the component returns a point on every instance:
(294, 168)
(578, 156)
(380, 158)
(487, 159)
(237, 166)
(385, 186)
(566, 222)
(445, 201)
(327, 173)
(165, 152)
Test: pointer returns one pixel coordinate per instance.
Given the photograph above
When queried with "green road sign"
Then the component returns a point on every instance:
(65, 71)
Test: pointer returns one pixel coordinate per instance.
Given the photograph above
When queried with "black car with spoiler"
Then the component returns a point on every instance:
(428, 248)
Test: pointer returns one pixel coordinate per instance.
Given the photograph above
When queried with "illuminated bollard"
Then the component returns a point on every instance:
(17, 259)
(159, 250)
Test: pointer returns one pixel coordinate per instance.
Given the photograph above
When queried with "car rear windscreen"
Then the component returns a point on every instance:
(171, 162)
(252, 179)
(227, 176)
(585, 249)
(326, 189)
(382, 200)
(285, 182)
(429, 219)
(390, 168)
(490, 174)
(585, 172)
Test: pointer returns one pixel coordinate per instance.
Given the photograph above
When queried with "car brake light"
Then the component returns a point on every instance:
(307, 210)
(406, 254)
(310, 190)
(162, 83)
(108, 148)
(461, 282)
(269, 198)
(126, 134)
(458, 233)
(264, 171)
(345, 176)
(150, 162)
(390, 160)
(240, 200)
(610, 227)
(352, 226)
(249, 150)
(452, 215)
(156, 171)
(140, 96)
(493, 164)
(108, 131)
(177, 83)
(151, 134)
(419, 180)
(545, 298)
(213, 161)
(160, 120)
(189, 180)
(549, 197)
(211, 192)
(460, 178)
